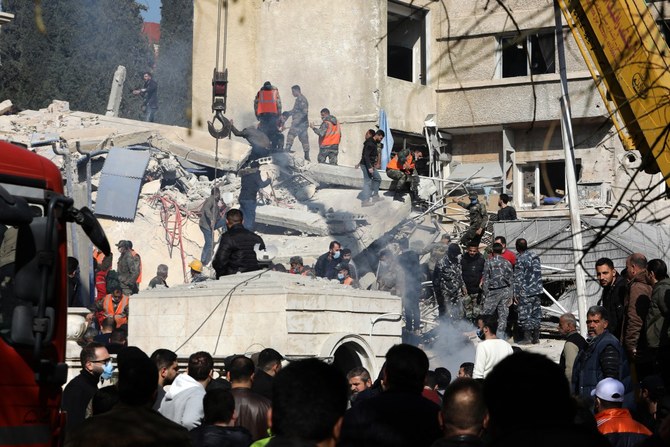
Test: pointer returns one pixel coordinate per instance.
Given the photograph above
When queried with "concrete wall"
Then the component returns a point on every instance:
(336, 52)
(297, 316)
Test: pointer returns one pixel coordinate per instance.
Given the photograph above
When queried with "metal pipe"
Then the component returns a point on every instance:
(554, 300)
(571, 178)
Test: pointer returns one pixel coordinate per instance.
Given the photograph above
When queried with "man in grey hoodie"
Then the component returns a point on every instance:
(183, 402)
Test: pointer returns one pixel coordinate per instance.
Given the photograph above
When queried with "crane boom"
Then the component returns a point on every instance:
(621, 40)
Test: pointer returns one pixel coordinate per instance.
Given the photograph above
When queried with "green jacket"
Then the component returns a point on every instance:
(658, 318)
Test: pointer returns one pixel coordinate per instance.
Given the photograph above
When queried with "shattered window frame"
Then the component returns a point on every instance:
(539, 181)
(537, 50)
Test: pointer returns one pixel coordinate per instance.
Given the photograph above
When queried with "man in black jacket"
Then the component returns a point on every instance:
(325, 265)
(371, 178)
(269, 364)
(80, 390)
(149, 92)
(236, 247)
(614, 291)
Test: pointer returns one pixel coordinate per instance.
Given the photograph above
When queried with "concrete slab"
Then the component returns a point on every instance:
(303, 221)
(344, 176)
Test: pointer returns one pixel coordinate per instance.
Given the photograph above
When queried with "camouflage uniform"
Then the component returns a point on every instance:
(448, 285)
(327, 152)
(478, 219)
(299, 125)
(528, 290)
(128, 269)
(497, 286)
(437, 250)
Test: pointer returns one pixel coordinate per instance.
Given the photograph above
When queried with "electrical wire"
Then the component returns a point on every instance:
(228, 295)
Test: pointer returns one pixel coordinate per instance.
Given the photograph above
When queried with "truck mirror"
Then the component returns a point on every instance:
(25, 324)
(85, 218)
(14, 210)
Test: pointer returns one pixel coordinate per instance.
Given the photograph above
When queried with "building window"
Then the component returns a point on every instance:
(530, 53)
(406, 42)
(664, 25)
(543, 180)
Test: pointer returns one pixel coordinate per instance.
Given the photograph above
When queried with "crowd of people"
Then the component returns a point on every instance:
(523, 399)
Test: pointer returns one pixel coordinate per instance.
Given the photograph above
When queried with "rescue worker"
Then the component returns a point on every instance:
(478, 220)
(401, 170)
(102, 265)
(448, 284)
(329, 137)
(129, 268)
(114, 304)
(210, 220)
(251, 183)
(497, 283)
(299, 122)
(267, 107)
(196, 271)
(259, 141)
(527, 291)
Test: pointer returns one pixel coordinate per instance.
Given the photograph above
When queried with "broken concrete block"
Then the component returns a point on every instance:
(150, 188)
(116, 91)
(303, 221)
(345, 176)
(5, 106)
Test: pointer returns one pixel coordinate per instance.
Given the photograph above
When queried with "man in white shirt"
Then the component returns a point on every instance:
(491, 349)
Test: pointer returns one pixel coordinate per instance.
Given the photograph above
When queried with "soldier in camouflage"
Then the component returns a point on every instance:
(448, 284)
(527, 291)
(497, 288)
(437, 251)
(299, 122)
(478, 220)
(128, 267)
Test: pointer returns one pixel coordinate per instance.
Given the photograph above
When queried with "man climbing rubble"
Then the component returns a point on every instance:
(129, 268)
(267, 107)
(299, 123)
(250, 185)
(478, 220)
(259, 141)
(210, 220)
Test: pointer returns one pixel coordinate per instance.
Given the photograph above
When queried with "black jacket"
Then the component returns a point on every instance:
(76, 396)
(393, 418)
(473, 267)
(612, 300)
(215, 436)
(236, 252)
(252, 412)
(325, 266)
(262, 384)
(459, 441)
(369, 156)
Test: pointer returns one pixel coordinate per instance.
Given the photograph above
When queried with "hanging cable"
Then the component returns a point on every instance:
(220, 127)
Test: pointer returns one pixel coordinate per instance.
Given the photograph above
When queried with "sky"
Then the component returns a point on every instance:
(153, 13)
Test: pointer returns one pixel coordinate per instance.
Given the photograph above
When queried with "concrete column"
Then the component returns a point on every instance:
(116, 91)
(508, 161)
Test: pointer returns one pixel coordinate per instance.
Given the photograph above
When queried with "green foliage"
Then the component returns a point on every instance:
(75, 59)
(173, 71)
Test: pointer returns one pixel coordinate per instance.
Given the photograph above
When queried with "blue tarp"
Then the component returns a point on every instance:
(120, 183)
(388, 139)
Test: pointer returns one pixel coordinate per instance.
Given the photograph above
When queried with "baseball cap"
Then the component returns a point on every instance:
(610, 390)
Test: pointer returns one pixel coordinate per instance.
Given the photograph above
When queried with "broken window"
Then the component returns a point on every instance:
(530, 53)
(545, 179)
(664, 25)
(406, 42)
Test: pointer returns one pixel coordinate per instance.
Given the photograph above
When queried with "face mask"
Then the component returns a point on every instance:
(340, 276)
(107, 371)
(480, 334)
(336, 255)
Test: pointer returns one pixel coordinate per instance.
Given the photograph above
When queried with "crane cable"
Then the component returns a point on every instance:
(216, 66)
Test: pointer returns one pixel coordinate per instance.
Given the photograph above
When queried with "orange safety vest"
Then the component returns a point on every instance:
(348, 280)
(98, 256)
(394, 164)
(267, 101)
(139, 277)
(108, 309)
(332, 136)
